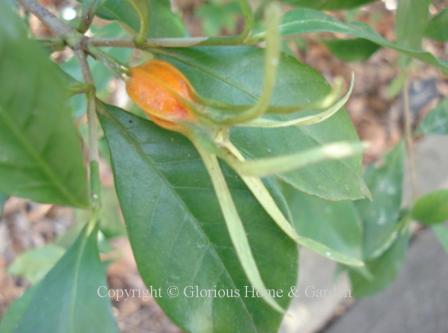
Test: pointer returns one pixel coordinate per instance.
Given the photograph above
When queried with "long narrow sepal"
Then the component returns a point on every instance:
(235, 227)
(239, 114)
(303, 121)
(275, 165)
(263, 196)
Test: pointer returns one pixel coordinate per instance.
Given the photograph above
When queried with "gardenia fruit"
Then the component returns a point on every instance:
(161, 91)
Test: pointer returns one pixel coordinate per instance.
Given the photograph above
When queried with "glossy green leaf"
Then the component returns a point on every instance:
(304, 20)
(332, 180)
(329, 4)
(437, 28)
(431, 208)
(336, 225)
(41, 152)
(35, 263)
(436, 121)
(235, 75)
(162, 21)
(441, 232)
(178, 233)
(67, 299)
(351, 50)
(381, 216)
(382, 270)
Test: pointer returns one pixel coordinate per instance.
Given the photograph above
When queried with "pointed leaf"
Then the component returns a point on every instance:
(382, 270)
(381, 216)
(351, 50)
(67, 299)
(333, 224)
(332, 180)
(40, 149)
(178, 233)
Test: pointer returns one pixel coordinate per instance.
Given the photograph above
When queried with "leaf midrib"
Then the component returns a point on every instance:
(73, 307)
(53, 179)
(192, 218)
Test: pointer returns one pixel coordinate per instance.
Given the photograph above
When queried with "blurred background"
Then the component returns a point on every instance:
(416, 302)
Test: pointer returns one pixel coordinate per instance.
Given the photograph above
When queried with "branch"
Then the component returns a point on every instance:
(70, 36)
(408, 135)
(88, 14)
(95, 184)
(54, 24)
(170, 42)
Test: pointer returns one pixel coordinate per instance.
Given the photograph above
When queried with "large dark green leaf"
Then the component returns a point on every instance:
(432, 208)
(436, 121)
(40, 149)
(381, 216)
(304, 20)
(67, 299)
(178, 233)
(332, 180)
(381, 271)
(329, 4)
(162, 21)
(334, 224)
(235, 75)
(351, 50)
(437, 27)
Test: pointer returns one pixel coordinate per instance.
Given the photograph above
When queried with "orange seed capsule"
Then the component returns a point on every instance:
(158, 88)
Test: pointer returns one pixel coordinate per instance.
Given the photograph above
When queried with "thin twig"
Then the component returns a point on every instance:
(409, 138)
(170, 42)
(70, 36)
(95, 188)
(54, 24)
(113, 64)
(88, 14)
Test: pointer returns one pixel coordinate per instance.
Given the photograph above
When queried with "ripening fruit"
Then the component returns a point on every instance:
(159, 88)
